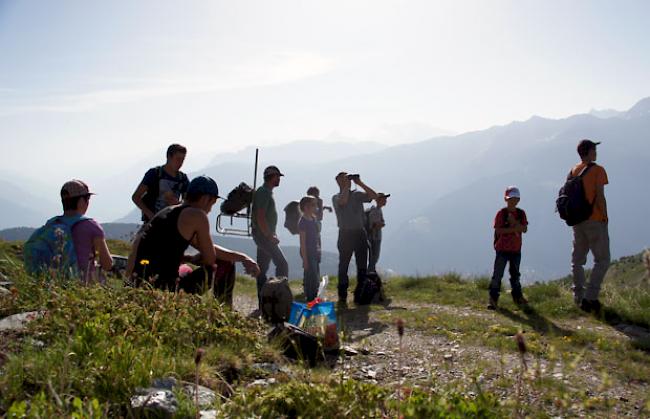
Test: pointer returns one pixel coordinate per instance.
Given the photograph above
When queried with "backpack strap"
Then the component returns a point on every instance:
(582, 172)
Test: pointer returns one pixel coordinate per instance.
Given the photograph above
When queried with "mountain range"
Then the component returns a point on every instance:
(446, 190)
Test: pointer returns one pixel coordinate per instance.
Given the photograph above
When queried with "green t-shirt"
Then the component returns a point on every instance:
(264, 199)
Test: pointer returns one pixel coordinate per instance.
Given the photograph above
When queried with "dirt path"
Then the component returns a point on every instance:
(436, 360)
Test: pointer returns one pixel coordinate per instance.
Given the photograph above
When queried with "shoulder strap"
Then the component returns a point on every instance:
(586, 169)
(582, 172)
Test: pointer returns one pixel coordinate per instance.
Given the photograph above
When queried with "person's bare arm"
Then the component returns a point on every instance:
(199, 228)
(264, 227)
(105, 259)
(137, 200)
(231, 256)
(600, 201)
(303, 250)
(367, 189)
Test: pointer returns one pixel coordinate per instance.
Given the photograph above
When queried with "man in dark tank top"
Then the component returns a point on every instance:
(160, 245)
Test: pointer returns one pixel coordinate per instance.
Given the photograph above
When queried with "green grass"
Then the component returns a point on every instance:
(100, 343)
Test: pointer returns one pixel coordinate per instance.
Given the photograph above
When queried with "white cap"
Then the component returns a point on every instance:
(512, 192)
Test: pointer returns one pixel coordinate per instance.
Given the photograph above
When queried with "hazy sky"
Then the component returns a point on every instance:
(89, 87)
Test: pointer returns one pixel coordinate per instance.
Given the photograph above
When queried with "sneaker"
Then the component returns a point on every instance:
(520, 300)
(493, 304)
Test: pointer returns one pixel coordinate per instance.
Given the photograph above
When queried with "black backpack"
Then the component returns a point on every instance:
(368, 287)
(238, 199)
(276, 298)
(292, 216)
(571, 203)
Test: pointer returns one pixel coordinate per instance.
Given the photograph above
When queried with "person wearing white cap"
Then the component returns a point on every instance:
(509, 225)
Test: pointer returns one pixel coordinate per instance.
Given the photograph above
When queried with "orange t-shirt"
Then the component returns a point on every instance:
(595, 177)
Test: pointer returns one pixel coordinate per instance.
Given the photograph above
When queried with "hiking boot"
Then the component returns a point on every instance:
(590, 306)
(342, 304)
(255, 314)
(519, 300)
(493, 304)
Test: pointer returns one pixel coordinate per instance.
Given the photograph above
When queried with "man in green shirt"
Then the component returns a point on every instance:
(264, 222)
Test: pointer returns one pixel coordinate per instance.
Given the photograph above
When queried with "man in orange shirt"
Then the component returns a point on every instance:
(591, 234)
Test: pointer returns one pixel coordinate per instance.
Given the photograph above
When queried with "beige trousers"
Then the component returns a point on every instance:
(594, 236)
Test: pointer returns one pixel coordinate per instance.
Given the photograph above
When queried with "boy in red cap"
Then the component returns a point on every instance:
(509, 224)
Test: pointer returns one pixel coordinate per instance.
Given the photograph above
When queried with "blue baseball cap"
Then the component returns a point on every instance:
(203, 185)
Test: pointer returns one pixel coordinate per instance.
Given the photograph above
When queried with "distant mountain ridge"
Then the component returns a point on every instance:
(446, 190)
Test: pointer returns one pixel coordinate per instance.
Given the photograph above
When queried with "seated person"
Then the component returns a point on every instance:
(72, 242)
(159, 247)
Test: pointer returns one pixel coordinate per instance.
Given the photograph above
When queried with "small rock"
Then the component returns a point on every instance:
(208, 414)
(4, 291)
(371, 374)
(38, 344)
(267, 367)
(156, 401)
(349, 351)
(380, 353)
(206, 396)
(262, 382)
(167, 383)
(448, 356)
(19, 321)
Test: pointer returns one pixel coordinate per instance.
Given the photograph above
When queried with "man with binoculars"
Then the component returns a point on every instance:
(348, 206)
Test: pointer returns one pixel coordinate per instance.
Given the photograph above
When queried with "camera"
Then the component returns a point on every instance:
(354, 177)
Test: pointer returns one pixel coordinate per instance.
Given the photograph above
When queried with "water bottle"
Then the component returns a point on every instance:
(322, 287)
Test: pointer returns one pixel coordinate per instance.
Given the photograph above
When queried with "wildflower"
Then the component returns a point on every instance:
(199, 356)
(521, 343)
(521, 346)
(144, 262)
(400, 327)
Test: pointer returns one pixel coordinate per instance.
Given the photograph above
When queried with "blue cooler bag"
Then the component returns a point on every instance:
(319, 320)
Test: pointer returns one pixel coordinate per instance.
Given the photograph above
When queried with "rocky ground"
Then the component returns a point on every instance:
(438, 360)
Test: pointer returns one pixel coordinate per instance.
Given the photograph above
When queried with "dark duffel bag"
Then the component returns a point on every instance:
(296, 343)
(369, 288)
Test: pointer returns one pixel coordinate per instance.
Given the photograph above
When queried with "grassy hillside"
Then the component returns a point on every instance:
(94, 345)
